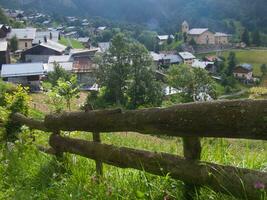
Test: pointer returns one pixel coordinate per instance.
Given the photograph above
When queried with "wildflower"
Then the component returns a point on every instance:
(259, 185)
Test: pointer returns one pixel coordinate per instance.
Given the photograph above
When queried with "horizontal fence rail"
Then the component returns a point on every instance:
(222, 119)
(226, 179)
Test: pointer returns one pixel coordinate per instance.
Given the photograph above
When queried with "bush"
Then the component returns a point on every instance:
(16, 102)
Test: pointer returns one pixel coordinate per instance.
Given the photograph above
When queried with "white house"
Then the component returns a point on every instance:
(163, 38)
(244, 72)
(187, 57)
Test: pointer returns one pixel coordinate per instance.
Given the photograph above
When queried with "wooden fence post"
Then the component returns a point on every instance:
(57, 153)
(99, 164)
(192, 151)
(96, 138)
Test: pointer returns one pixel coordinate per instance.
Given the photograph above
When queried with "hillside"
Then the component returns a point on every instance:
(159, 13)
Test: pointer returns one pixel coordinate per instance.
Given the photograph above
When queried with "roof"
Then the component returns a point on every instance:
(201, 64)
(41, 34)
(83, 39)
(101, 28)
(197, 31)
(155, 56)
(186, 55)
(23, 33)
(53, 45)
(104, 46)
(246, 66)
(59, 59)
(164, 37)
(185, 23)
(22, 69)
(82, 51)
(68, 66)
(218, 34)
(3, 45)
(172, 57)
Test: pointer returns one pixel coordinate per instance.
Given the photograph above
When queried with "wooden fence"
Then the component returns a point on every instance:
(222, 119)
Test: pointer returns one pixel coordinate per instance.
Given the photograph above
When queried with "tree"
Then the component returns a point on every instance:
(192, 42)
(256, 38)
(149, 39)
(169, 40)
(68, 90)
(245, 37)
(14, 44)
(185, 37)
(264, 69)
(194, 84)
(231, 63)
(142, 89)
(125, 74)
(58, 73)
(113, 71)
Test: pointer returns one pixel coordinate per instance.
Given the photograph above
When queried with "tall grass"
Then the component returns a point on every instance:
(26, 173)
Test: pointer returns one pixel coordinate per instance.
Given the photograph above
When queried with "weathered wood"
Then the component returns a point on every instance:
(57, 148)
(192, 151)
(98, 163)
(31, 123)
(230, 180)
(222, 119)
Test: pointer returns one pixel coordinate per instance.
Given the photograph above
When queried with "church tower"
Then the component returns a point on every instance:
(185, 27)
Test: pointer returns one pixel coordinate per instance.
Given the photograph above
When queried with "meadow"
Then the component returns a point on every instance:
(255, 57)
(74, 43)
(27, 173)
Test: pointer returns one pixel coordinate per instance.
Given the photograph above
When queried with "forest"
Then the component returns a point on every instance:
(162, 15)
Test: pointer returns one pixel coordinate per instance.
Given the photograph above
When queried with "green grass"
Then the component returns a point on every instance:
(74, 43)
(254, 57)
(27, 173)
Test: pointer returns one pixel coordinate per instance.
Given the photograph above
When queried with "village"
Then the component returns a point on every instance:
(38, 50)
(133, 100)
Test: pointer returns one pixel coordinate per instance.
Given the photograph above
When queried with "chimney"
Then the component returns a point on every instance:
(50, 36)
(45, 39)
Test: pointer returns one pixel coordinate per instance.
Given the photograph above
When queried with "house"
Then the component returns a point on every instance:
(84, 66)
(187, 57)
(203, 36)
(15, 14)
(85, 41)
(25, 37)
(26, 74)
(4, 30)
(101, 28)
(79, 62)
(41, 35)
(164, 60)
(244, 72)
(64, 61)
(42, 52)
(104, 46)
(4, 53)
(163, 38)
(222, 38)
(213, 59)
(209, 66)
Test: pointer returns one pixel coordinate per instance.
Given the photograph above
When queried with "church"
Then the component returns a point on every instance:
(203, 36)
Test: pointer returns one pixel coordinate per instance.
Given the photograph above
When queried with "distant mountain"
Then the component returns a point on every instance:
(161, 14)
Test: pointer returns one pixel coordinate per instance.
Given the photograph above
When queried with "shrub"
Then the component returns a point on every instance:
(16, 102)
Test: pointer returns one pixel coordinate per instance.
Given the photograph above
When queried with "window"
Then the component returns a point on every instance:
(26, 44)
